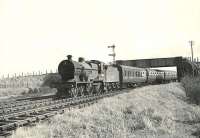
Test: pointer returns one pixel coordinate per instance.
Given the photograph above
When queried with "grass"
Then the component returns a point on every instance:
(28, 85)
(192, 88)
(151, 111)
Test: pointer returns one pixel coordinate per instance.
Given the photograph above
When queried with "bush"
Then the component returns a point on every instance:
(192, 88)
(51, 79)
(36, 90)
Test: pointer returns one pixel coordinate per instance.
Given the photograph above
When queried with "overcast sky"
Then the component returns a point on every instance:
(38, 34)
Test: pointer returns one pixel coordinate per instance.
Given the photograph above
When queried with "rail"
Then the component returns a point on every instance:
(24, 112)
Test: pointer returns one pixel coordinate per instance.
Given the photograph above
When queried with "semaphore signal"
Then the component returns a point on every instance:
(113, 53)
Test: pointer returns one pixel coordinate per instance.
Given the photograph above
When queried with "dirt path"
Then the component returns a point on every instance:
(151, 111)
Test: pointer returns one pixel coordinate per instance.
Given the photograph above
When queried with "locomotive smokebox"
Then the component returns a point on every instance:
(66, 69)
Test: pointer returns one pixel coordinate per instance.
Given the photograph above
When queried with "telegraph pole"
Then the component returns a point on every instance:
(113, 52)
(191, 44)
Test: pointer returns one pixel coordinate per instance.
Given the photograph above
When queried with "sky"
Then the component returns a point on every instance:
(37, 34)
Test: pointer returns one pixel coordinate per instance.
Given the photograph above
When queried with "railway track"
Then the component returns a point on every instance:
(27, 111)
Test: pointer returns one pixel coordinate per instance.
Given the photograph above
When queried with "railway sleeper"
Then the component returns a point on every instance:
(8, 126)
(39, 114)
(25, 107)
(5, 133)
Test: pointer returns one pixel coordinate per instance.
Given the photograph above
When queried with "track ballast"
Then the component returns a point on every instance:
(31, 110)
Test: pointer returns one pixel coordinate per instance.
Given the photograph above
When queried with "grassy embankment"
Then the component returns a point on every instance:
(27, 85)
(151, 111)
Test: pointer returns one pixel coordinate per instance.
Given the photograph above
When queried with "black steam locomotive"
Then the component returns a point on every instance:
(95, 77)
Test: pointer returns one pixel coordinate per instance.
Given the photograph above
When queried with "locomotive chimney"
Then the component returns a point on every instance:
(69, 57)
(81, 59)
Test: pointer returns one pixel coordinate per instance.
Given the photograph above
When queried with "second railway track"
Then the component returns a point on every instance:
(27, 111)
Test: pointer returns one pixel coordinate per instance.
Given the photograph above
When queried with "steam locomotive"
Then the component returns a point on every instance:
(95, 77)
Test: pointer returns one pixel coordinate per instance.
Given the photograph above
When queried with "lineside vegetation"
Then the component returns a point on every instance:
(192, 88)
